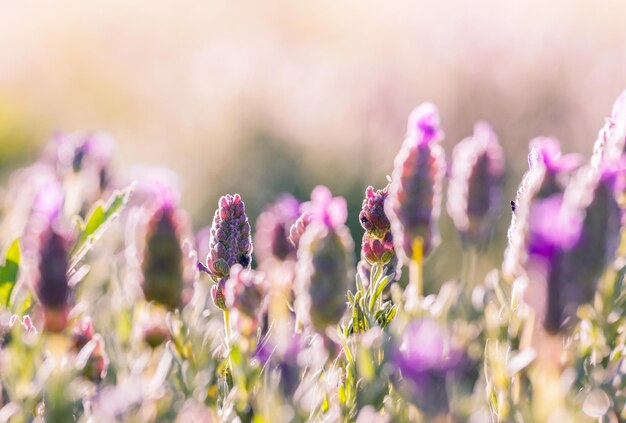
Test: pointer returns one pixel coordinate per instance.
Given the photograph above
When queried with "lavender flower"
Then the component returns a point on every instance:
(547, 176)
(324, 261)
(475, 190)
(230, 241)
(273, 226)
(372, 217)
(162, 266)
(415, 192)
(246, 293)
(611, 142)
(425, 358)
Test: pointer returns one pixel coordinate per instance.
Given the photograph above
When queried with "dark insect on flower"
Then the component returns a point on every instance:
(513, 205)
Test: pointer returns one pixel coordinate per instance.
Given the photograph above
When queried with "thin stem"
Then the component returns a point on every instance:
(472, 267)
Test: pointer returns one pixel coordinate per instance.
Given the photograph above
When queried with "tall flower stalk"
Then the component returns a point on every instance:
(415, 193)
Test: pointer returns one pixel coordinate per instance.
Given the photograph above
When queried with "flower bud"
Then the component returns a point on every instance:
(475, 190)
(372, 217)
(273, 225)
(415, 192)
(298, 228)
(376, 250)
(217, 294)
(162, 265)
(230, 242)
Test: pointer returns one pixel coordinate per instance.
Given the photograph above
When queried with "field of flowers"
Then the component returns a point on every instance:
(114, 310)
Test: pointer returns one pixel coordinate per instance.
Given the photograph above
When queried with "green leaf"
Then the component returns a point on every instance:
(9, 272)
(97, 223)
(381, 284)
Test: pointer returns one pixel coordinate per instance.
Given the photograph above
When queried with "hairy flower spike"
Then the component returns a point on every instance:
(547, 176)
(298, 228)
(325, 261)
(162, 265)
(230, 242)
(415, 192)
(273, 225)
(475, 190)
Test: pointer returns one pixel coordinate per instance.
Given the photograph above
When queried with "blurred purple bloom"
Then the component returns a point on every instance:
(326, 209)
(475, 190)
(163, 279)
(246, 293)
(298, 228)
(425, 358)
(273, 225)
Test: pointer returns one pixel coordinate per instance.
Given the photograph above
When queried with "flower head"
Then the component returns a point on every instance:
(273, 226)
(415, 192)
(475, 190)
(372, 217)
(246, 294)
(230, 242)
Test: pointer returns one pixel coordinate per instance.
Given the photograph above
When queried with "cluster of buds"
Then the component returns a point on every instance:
(377, 245)
(230, 243)
(246, 293)
(162, 266)
(415, 191)
(325, 260)
(475, 190)
(89, 349)
(271, 239)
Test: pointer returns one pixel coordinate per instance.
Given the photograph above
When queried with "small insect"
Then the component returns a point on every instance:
(513, 206)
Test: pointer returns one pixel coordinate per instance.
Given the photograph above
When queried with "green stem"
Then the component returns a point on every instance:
(416, 276)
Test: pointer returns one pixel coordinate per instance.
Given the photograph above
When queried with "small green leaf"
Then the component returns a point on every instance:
(9, 272)
(381, 284)
(97, 223)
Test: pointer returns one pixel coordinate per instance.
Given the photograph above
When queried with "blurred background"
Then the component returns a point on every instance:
(281, 96)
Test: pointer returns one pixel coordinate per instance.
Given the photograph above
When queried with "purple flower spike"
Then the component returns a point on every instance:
(273, 225)
(475, 190)
(230, 242)
(425, 358)
(415, 192)
(372, 217)
(325, 261)
(162, 266)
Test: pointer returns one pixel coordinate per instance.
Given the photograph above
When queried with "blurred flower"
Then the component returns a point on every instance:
(163, 279)
(415, 192)
(230, 242)
(475, 190)
(246, 293)
(324, 261)
(51, 284)
(273, 225)
(89, 348)
(547, 176)
(425, 357)
(153, 185)
(611, 142)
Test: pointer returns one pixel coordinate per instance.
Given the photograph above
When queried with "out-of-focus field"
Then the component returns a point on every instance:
(274, 96)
